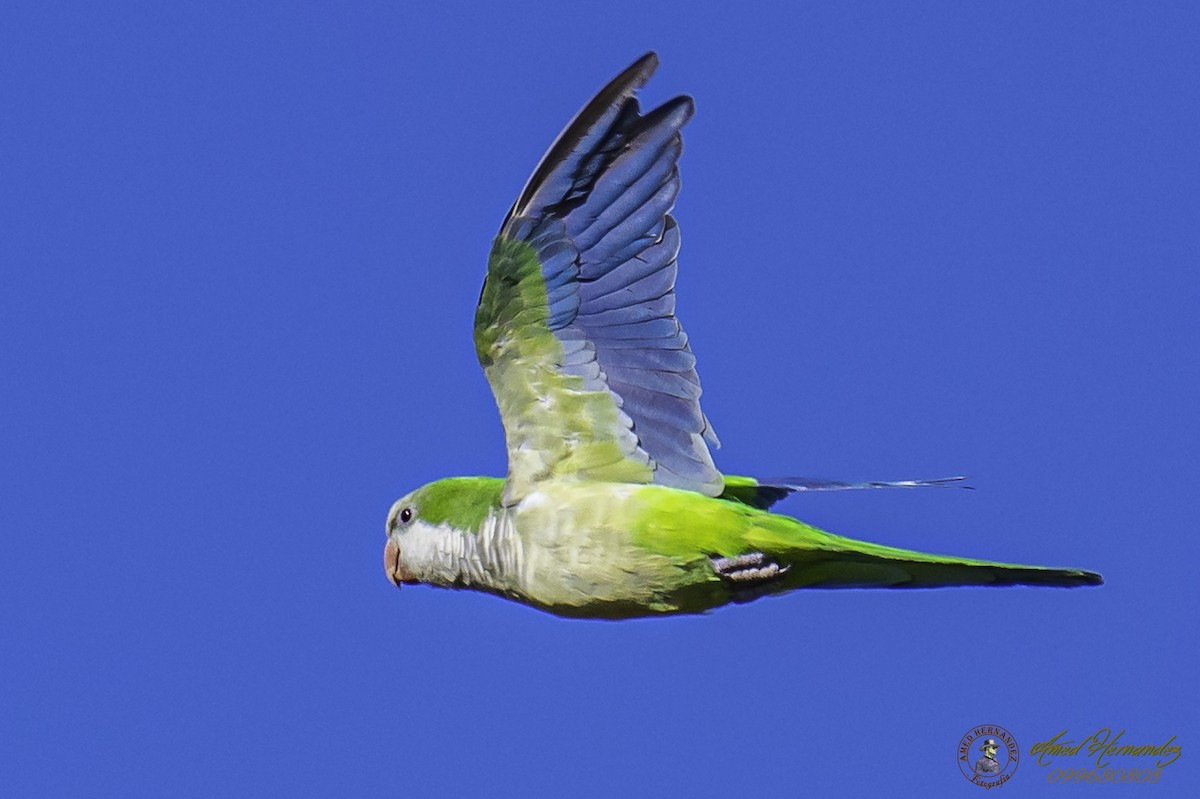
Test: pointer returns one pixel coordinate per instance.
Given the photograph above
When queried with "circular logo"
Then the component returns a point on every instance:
(988, 755)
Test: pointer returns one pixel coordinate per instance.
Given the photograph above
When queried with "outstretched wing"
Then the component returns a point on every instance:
(576, 327)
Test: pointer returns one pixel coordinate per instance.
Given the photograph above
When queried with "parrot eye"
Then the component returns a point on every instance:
(406, 516)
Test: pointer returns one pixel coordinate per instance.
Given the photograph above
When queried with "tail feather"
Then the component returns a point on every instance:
(859, 571)
(817, 559)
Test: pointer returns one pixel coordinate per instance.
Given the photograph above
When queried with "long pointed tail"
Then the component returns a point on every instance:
(816, 559)
(859, 570)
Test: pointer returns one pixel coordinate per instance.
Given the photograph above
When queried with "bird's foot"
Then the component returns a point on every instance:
(752, 575)
(753, 567)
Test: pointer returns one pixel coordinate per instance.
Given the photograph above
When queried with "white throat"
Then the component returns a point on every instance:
(443, 555)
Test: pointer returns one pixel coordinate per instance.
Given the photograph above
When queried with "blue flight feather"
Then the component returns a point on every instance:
(597, 213)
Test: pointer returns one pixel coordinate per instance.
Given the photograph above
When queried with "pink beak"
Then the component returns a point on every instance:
(391, 561)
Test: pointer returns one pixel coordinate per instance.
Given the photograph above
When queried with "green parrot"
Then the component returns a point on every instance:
(612, 507)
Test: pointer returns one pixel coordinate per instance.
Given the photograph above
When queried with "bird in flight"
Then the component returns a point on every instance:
(612, 506)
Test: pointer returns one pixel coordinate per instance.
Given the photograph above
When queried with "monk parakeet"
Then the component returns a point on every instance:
(612, 506)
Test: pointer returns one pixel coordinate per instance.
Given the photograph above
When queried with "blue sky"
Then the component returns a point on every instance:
(239, 254)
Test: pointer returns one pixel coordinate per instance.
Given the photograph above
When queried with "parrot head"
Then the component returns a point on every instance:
(426, 529)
